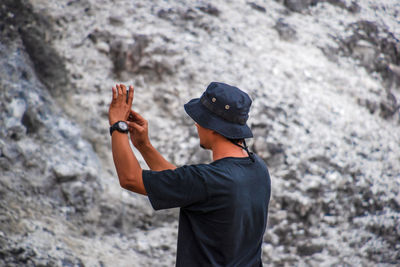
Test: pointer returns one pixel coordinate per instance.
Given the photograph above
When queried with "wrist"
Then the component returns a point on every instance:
(120, 126)
(112, 122)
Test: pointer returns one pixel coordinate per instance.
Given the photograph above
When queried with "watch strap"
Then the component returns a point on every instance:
(116, 127)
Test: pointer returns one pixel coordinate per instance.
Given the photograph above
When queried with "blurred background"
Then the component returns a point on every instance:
(324, 76)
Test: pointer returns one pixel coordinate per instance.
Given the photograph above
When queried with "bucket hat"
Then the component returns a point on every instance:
(222, 108)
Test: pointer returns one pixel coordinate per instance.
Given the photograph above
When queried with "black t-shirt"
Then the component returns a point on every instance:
(224, 209)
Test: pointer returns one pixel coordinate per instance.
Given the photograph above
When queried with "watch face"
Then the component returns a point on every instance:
(123, 126)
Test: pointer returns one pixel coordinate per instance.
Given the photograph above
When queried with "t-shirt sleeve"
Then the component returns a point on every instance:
(175, 188)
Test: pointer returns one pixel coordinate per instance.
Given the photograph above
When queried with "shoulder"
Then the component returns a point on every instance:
(185, 171)
(260, 162)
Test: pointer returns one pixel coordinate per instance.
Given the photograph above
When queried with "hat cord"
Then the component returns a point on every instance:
(246, 148)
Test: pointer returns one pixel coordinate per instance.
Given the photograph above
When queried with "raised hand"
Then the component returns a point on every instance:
(121, 103)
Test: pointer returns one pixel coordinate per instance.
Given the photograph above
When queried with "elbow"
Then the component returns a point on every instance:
(128, 183)
(132, 181)
(124, 185)
(125, 182)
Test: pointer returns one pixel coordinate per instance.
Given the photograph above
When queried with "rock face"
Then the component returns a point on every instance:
(324, 78)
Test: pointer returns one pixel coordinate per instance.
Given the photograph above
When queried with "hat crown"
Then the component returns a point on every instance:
(225, 94)
(228, 102)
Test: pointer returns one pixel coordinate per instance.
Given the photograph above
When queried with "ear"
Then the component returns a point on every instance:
(214, 132)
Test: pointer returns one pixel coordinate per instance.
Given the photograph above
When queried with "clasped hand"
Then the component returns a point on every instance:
(121, 110)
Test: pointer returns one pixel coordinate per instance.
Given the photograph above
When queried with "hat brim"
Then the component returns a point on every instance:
(209, 120)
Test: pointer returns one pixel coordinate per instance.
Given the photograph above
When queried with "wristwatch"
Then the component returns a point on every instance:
(120, 126)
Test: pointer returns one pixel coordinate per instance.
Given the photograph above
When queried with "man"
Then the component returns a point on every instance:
(224, 204)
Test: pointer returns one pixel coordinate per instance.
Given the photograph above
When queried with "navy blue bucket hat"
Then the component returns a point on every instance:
(222, 108)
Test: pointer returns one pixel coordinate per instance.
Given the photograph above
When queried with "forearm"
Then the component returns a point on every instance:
(154, 159)
(127, 166)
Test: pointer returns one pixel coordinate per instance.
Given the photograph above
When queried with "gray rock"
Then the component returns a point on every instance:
(257, 7)
(301, 5)
(116, 21)
(352, 7)
(14, 129)
(210, 9)
(79, 195)
(36, 32)
(298, 5)
(285, 31)
(66, 172)
(374, 46)
(309, 249)
(139, 58)
(376, 49)
(11, 152)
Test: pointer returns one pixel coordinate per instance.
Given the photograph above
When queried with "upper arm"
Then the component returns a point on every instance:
(175, 188)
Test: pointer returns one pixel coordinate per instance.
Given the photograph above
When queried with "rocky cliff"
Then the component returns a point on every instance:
(324, 76)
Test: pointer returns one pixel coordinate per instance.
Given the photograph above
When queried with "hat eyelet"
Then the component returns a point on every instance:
(227, 107)
(213, 99)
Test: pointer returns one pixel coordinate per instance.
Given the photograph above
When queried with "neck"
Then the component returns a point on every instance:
(224, 148)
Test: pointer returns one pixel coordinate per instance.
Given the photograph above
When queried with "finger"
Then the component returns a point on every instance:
(114, 93)
(135, 114)
(136, 117)
(134, 125)
(119, 89)
(123, 87)
(130, 96)
(131, 116)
